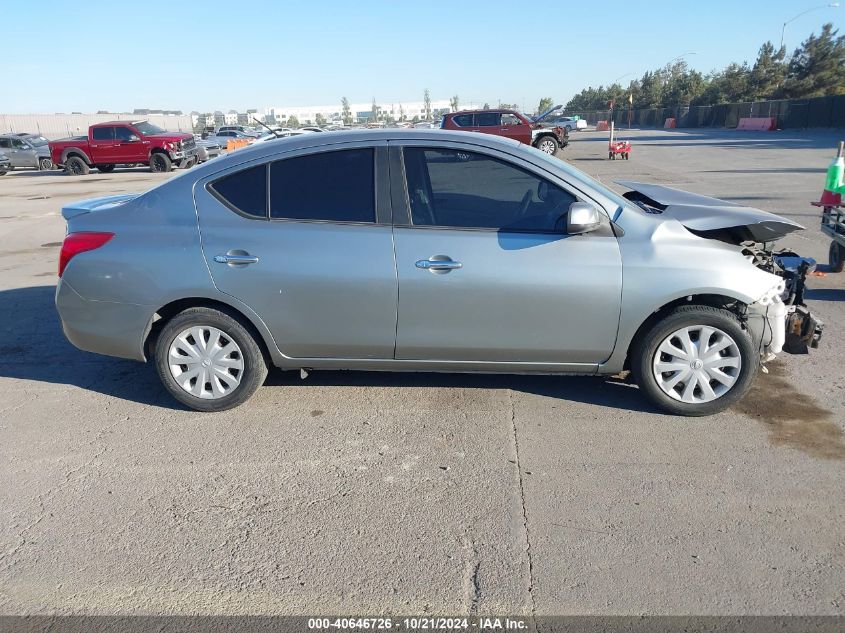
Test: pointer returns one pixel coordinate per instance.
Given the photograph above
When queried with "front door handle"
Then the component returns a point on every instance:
(236, 259)
(436, 263)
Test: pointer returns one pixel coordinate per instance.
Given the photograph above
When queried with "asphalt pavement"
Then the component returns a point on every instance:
(422, 493)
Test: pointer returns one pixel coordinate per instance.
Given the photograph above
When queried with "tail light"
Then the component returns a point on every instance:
(76, 243)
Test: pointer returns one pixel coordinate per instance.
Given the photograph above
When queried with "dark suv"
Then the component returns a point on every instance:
(510, 124)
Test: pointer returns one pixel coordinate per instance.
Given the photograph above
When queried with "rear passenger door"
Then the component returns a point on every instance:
(104, 147)
(305, 240)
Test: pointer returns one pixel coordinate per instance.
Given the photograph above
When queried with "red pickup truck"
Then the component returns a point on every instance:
(124, 143)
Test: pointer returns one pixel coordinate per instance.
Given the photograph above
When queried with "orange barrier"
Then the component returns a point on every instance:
(669, 123)
(602, 126)
(233, 144)
(759, 124)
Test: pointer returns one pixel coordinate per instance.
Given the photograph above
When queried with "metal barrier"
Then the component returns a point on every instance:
(820, 112)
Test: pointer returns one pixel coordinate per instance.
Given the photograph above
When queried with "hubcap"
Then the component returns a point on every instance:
(697, 364)
(205, 362)
(548, 147)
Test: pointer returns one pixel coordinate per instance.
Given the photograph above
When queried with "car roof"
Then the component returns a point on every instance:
(493, 110)
(136, 122)
(17, 134)
(362, 135)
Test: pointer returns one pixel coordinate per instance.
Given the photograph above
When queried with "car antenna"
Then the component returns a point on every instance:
(271, 130)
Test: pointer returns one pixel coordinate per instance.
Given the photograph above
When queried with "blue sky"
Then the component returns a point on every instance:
(209, 55)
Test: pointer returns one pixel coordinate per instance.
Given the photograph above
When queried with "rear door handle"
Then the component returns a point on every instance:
(438, 264)
(236, 259)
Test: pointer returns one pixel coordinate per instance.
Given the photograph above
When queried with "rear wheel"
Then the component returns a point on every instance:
(695, 361)
(208, 361)
(106, 169)
(44, 164)
(75, 166)
(160, 162)
(836, 257)
(547, 144)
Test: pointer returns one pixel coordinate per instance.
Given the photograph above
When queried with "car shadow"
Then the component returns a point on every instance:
(34, 348)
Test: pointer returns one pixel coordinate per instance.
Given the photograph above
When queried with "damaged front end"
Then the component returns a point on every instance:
(802, 329)
(779, 320)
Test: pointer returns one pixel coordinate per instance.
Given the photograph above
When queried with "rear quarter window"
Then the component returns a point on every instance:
(244, 191)
(463, 120)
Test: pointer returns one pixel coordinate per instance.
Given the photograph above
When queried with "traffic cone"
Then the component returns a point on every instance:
(834, 184)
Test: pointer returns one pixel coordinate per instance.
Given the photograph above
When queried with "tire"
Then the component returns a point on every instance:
(45, 164)
(3, 173)
(75, 166)
(160, 162)
(723, 326)
(547, 144)
(212, 395)
(836, 257)
(106, 169)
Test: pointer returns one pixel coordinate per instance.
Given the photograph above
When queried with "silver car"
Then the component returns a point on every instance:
(428, 250)
(26, 150)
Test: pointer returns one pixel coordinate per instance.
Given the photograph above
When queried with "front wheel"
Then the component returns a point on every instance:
(547, 144)
(160, 162)
(695, 361)
(836, 257)
(209, 361)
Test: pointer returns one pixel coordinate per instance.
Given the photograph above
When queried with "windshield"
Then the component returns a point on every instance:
(37, 141)
(145, 129)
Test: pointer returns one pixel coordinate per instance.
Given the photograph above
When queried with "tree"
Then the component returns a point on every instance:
(320, 120)
(346, 111)
(401, 113)
(486, 106)
(768, 72)
(546, 103)
(817, 67)
(416, 119)
(374, 111)
(292, 121)
(427, 104)
(454, 103)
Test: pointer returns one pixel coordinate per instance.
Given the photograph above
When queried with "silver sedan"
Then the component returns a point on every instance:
(428, 250)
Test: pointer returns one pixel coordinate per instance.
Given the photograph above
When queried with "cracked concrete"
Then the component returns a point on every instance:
(414, 493)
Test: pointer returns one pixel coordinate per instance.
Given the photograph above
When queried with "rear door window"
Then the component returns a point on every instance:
(103, 134)
(244, 191)
(334, 186)
(463, 120)
(487, 119)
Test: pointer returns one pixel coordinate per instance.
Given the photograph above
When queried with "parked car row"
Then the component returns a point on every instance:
(131, 143)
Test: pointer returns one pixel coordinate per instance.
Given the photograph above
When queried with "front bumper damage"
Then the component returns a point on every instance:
(780, 320)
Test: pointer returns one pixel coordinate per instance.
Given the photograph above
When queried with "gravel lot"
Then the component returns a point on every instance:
(412, 493)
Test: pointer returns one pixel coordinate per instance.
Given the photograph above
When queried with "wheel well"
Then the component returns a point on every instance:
(84, 158)
(167, 312)
(715, 301)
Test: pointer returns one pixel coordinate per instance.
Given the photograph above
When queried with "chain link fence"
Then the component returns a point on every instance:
(821, 112)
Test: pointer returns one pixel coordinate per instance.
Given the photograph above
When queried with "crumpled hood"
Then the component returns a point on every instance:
(703, 213)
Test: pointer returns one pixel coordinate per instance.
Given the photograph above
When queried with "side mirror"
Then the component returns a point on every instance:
(582, 218)
(132, 139)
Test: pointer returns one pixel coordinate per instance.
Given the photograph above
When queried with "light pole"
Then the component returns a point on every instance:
(831, 5)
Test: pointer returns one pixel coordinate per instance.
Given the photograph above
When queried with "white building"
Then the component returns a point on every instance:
(361, 112)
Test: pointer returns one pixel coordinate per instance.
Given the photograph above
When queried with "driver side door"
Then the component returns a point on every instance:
(486, 270)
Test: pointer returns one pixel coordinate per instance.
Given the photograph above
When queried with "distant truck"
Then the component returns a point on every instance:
(124, 143)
